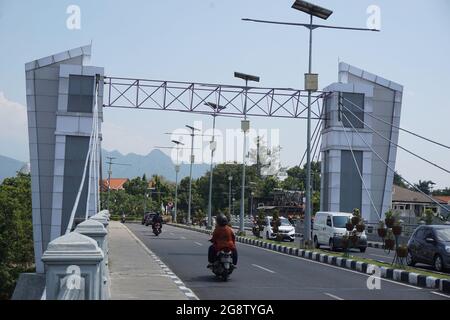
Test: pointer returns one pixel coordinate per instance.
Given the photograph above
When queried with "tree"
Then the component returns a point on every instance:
(425, 186)
(442, 192)
(398, 180)
(16, 231)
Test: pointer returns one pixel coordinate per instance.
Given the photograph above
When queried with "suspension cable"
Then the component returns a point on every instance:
(397, 127)
(397, 145)
(393, 170)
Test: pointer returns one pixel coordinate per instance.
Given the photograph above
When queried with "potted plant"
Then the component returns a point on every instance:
(349, 225)
(276, 223)
(397, 228)
(381, 229)
(356, 216)
(389, 219)
(389, 242)
(353, 238)
(402, 251)
(360, 227)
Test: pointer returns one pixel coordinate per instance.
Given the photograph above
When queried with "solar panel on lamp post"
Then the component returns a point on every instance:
(217, 108)
(311, 84)
(245, 126)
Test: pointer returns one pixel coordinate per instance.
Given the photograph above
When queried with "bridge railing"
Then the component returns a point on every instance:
(76, 264)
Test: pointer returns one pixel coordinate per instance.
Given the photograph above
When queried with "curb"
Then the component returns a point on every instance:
(363, 267)
(377, 245)
(181, 286)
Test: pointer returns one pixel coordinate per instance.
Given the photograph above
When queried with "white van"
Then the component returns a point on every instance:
(329, 227)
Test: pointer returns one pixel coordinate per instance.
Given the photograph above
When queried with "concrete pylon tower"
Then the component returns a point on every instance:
(60, 99)
(366, 97)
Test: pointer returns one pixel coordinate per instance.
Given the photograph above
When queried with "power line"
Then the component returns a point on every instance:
(397, 127)
(397, 145)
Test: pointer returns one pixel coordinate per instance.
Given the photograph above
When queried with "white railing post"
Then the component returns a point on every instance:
(95, 230)
(72, 263)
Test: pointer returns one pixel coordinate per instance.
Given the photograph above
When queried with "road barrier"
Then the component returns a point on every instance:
(363, 267)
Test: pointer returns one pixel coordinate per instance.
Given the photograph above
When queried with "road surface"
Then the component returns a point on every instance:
(264, 274)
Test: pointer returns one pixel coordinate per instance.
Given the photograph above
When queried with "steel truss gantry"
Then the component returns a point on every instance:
(192, 97)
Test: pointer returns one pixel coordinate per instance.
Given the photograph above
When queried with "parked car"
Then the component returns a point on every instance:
(148, 217)
(329, 228)
(430, 245)
(286, 229)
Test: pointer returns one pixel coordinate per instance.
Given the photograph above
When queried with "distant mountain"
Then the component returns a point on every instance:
(9, 167)
(156, 162)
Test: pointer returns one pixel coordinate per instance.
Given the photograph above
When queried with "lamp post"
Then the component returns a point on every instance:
(245, 126)
(190, 172)
(216, 108)
(311, 84)
(177, 169)
(230, 178)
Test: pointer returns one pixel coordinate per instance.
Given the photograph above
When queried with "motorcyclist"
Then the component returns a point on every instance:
(157, 219)
(223, 238)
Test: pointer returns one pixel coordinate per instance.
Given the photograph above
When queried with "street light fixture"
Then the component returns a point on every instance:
(312, 9)
(311, 84)
(216, 108)
(245, 126)
(190, 171)
(177, 169)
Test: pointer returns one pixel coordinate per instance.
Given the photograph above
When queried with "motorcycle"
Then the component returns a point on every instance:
(122, 219)
(223, 265)
(157, 228)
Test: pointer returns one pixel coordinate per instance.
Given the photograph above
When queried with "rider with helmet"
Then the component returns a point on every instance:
(223, 238)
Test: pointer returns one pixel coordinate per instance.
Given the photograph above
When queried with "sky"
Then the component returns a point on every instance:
(206, 41)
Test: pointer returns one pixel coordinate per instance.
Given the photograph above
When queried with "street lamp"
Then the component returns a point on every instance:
(216, 108)
(190, 172)
(245, 126)
(311, 84)
(177, 169)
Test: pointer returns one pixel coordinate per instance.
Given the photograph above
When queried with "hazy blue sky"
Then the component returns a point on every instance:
(206, 41)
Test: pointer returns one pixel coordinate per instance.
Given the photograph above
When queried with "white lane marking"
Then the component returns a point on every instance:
(331, 266)
(441, 294)
(197, 243)
(265, 269)
(333, 296)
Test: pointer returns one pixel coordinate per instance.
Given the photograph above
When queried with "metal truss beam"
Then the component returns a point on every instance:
(192, 97)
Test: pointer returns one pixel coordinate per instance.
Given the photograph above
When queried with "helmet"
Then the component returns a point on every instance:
(222, 220)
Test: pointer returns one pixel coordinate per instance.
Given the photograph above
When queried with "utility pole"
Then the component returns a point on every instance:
(190, 172)
(258, 160)
(109, 178)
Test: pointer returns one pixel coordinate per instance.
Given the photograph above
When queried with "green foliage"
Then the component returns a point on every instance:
(16, 232)
(425, 186)
(428, 216)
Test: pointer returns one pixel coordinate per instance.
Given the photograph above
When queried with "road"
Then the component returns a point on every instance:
(264, 274)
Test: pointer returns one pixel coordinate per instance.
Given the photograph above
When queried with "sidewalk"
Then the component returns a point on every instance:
(136, 273)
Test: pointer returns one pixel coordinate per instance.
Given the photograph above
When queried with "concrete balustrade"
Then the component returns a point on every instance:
(95, 230)
(73, 268)
(103, 220)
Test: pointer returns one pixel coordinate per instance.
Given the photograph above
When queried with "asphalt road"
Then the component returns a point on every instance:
(264, 274)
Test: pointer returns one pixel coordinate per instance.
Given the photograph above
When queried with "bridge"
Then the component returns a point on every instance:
(81, 254)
